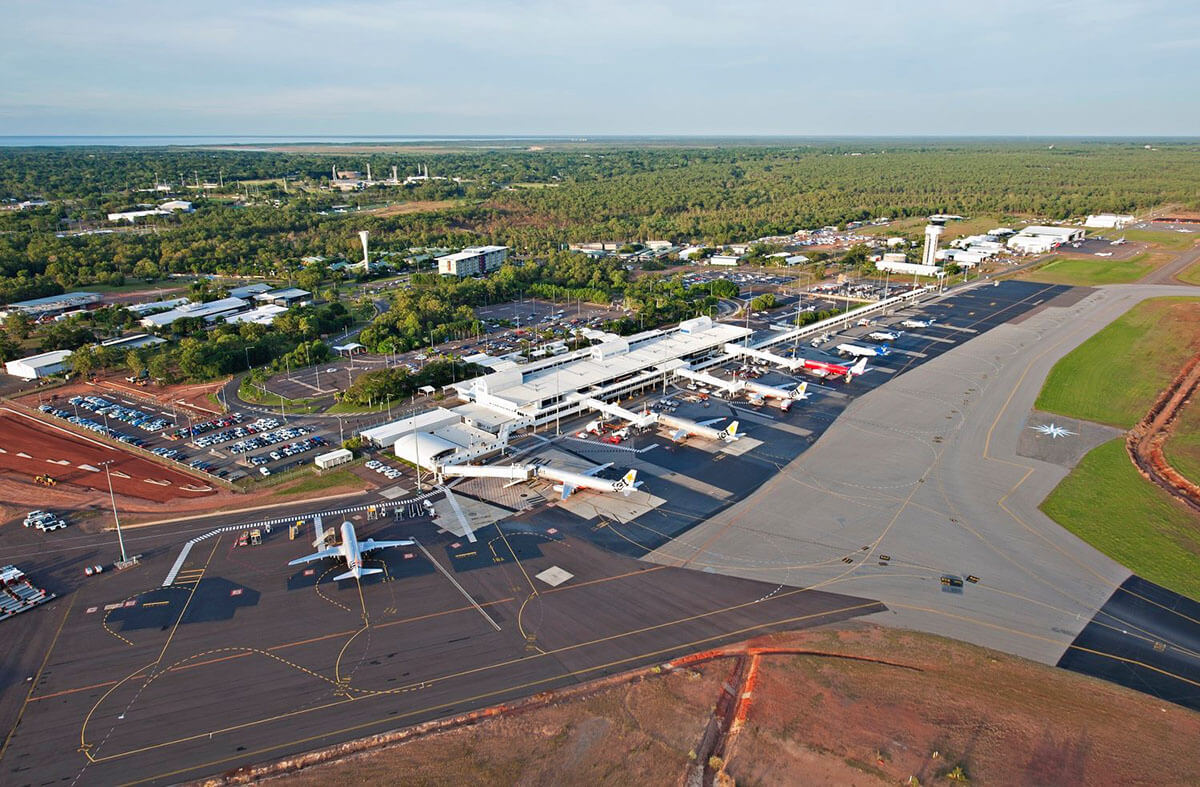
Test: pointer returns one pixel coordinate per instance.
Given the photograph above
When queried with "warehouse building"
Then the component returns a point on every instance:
(209, 312)
(289, 296)
(1036, 239)
(1108, 221)
(37, 366)
(473, 261)
(52, 304)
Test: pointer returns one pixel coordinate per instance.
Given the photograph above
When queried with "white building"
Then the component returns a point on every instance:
(726, 260)
(263, 315)
(333, 458)
(209, 312)
(910, 267)
(1037, 239)
(142, 309)
(1109, 221)
(472, 261)
(165, 209)
(688, 252)
(554, 386)
(51, 304)
(37, 366)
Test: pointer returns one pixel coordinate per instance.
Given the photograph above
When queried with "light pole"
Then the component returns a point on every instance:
(112, 497)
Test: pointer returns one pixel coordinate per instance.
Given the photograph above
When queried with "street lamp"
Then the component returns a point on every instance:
(112, 497)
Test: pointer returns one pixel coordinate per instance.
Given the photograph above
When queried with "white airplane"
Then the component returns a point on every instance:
(351, 550)
(570, 482)
(861, 350)
(685, 428)
(883, 336)
(917, 323)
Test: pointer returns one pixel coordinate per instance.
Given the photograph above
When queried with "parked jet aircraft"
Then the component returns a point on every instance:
(883, 336)
(570, 481)
(685, 428)
(351, 550)
(917, 323)
(825, 369)
(861, 350)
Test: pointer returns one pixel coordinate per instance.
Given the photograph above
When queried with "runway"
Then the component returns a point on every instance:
(939, 489)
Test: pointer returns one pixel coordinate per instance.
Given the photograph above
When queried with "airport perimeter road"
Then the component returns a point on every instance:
(921, 479)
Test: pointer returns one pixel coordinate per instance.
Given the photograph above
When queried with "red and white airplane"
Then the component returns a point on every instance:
(825, 369)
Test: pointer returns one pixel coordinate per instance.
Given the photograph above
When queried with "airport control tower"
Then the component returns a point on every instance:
(933, 231)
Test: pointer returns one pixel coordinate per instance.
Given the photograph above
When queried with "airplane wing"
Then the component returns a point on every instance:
(370, 544)
(712, 421)
(597, 469)
(324, 553)
(567, 490)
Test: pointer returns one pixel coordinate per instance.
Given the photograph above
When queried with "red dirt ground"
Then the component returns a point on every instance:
(193, 396)
(46, 445)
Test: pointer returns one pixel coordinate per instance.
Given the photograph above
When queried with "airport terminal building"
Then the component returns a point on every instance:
(554, 387)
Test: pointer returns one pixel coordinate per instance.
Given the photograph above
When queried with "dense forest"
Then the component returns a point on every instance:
(534, 201)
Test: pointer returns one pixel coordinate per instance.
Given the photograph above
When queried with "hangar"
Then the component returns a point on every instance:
(38, 366)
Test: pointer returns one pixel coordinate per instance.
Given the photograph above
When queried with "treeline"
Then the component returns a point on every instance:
(681, 194)
(393, 384)
(436, 308)
(197, 353)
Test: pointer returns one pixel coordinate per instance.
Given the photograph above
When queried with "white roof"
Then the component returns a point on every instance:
(194, 310)
(1036, 230)
(263, 315)
(423, 448)
(591, 367)
(44, 359)
(387, 434)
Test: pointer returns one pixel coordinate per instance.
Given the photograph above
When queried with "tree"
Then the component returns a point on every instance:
(83, 360)
(160, 369)
(135, 363)
(17, 325)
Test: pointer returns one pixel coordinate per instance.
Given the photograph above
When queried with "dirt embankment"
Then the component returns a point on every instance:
(1145, 441)
(857, 704)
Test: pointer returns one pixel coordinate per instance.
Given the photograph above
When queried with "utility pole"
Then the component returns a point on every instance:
(113, 498)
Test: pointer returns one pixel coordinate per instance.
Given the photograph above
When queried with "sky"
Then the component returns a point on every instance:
(600, 67)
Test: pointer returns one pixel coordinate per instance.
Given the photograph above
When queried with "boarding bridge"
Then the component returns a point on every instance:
(617, 411)
(707, 379)
(742, 351)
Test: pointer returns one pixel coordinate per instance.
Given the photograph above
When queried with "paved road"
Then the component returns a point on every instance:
(925, 471)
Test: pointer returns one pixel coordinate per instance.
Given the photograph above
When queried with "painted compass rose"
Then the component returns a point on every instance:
(1053, 431)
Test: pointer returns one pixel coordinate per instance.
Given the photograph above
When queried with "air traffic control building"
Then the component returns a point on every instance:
(555, 387)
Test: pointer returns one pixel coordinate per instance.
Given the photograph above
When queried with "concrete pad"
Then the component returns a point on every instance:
(740, 446)
(554, 576)
(393, 492)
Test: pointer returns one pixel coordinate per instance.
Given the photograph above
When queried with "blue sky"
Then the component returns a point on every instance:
(600, 67)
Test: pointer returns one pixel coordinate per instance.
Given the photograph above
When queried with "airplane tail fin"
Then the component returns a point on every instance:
(858, 368)
(801, 391)
(731, 432)
(629, 479)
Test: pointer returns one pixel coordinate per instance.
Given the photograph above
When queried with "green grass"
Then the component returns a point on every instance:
(255, 395)
(1114, 377)
(1190, 274)
(1182, 448)
(1106, 502)
(1088, 272)
(316, 483)
(1168, 239)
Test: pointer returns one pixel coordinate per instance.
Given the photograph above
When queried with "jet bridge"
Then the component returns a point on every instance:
(738, 350)
(733, 387)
